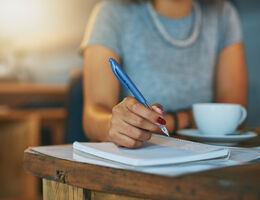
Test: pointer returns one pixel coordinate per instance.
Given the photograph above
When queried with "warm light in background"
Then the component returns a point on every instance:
(41, 38)
(20, 15)
(37, 23)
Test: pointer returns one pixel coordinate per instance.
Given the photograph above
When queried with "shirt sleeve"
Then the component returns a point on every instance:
(104, 27)
(230, 28)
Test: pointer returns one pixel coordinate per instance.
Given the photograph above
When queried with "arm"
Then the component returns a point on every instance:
(231, 76)
(128, 123)
(231, 82)
(98, 101)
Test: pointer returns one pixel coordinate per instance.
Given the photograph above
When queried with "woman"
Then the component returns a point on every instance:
(178, 52)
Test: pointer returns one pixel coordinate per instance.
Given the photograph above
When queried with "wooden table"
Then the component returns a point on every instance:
(67, 179)
(16, 95)
(19, 93)
(51, 118)
(20, 128)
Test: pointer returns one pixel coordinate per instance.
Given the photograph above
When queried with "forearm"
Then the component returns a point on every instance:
(101, 91)
(96, 122)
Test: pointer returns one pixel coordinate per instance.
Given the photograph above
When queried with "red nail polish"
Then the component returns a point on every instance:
(161, 121)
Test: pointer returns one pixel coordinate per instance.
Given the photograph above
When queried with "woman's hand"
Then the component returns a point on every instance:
(132, 123)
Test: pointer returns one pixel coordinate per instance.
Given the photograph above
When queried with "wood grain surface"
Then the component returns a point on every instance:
(15, 136)
(237, 182)
(33, 88)
(53, 190)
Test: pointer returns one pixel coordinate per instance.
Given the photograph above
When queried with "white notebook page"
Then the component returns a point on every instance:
(160, 150)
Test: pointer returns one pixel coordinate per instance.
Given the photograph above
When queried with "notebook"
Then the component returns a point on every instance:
(159, 150)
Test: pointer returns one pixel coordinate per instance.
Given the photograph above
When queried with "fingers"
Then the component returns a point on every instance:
(132, 123)
(125, 141)
(135, 133)
(157, 108)
(121, 139)
(139, 122)
(131, 131)
(136, 107)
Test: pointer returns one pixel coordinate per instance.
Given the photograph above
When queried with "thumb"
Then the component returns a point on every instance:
(157, 108)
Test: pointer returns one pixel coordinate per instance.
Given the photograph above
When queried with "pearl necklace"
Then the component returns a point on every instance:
(180, 43)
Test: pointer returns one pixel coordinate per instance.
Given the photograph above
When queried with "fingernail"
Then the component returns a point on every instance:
(157, 109)
(161, 121)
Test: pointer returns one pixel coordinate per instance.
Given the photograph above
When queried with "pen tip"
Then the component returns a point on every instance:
(165, 130)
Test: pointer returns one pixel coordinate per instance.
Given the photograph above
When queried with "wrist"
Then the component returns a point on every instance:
(189, 123)
(180, 119)
(175, 120)
(185, 119)
(170, 122)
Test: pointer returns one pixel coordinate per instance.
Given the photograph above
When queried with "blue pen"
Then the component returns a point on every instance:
(127, 82)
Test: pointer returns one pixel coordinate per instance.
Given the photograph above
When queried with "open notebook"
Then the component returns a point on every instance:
(160, 150)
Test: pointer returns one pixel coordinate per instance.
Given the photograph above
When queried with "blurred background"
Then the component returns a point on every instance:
(40, 88)
(39, 39)
(39, 69)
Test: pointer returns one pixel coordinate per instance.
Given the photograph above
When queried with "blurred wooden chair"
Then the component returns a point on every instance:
(74, 128)
(16, 134)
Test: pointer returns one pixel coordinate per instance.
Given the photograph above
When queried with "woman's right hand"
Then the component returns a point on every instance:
(132, 123)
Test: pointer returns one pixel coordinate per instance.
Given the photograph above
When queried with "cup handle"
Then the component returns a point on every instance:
(243, 115)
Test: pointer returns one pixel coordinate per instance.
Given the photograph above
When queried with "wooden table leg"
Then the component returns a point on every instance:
(53, 190)
(106, 196)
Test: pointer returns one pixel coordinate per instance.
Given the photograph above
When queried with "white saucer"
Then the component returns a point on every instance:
(217, 139)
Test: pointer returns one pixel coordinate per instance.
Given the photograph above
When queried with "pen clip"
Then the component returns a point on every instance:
(114, 69)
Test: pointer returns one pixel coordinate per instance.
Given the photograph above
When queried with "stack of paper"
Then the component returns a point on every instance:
(160, 150)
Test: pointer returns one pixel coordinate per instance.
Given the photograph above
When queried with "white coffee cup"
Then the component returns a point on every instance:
(218, 118)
